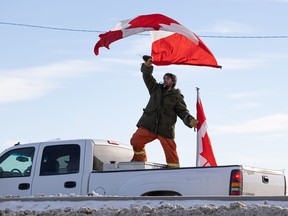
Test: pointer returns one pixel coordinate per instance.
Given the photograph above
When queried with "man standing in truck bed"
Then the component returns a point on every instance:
(160, 115)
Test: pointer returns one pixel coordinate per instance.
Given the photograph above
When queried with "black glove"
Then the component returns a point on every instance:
(146, 57)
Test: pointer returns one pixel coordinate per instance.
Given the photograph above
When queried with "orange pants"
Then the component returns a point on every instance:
(143, 136)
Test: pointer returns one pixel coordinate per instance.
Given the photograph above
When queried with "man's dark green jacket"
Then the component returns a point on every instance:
(160, 114)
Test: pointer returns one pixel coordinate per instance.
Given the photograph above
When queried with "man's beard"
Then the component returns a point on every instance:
(165, 86)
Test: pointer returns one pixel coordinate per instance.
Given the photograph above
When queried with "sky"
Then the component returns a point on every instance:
(52, 86)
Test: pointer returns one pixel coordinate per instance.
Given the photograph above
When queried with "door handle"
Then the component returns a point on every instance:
(265, 179)
(70, 184)
(24, 186)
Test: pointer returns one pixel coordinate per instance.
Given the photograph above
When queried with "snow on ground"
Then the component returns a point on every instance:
(142, 207)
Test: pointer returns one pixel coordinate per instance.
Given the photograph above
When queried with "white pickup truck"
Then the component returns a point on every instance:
(86, 165)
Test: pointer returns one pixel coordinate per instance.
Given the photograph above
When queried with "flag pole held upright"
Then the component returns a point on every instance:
(204, 154)
(197, 146)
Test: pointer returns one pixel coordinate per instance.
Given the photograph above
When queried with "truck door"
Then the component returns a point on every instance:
(59, 169)
(16, 171)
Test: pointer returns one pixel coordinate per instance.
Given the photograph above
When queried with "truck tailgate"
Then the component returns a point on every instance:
(263, 182)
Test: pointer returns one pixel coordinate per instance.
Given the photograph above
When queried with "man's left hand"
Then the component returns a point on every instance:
(193, 123)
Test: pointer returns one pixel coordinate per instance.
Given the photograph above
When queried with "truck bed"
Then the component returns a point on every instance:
(192, 181)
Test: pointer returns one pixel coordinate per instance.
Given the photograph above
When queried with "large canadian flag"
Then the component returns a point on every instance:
(172, 43)
(205, 155)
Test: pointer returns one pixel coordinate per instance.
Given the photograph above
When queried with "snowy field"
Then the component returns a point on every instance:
(131, 207)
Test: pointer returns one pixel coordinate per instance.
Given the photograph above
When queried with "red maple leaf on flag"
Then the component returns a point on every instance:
(207, 151)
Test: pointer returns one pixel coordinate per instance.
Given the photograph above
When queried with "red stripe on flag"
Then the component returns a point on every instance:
(178, 49)
(106, 39)
(200, 114)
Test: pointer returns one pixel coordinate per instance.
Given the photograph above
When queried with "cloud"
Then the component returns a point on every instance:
(247, 99)
(284, 1)
(271, 137)
(225, 27)
(247, 105)
(35, 82)
(257, 61)
(32, 83)
(245, 95)
(241, 64)
(118, 61)
(141, 45)
(228, 27)
(7, 144)
(275, 123)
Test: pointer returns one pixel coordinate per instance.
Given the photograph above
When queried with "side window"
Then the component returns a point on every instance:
(60, 159)
(17, 163)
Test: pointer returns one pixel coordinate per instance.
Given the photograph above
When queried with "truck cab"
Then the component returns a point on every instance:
(31, 169)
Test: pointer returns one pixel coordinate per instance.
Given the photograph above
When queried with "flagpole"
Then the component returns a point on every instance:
(197, 142)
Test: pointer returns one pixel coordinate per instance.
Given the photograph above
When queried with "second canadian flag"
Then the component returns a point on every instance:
(205, 155)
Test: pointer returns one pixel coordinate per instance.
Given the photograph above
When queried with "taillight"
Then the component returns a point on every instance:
(112, 142)
(236, 183)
